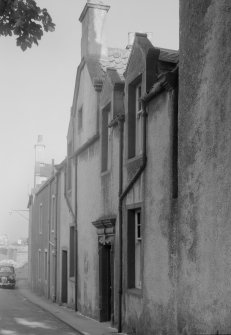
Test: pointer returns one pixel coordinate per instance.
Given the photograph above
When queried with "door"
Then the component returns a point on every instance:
(64, 276)
(105, 282)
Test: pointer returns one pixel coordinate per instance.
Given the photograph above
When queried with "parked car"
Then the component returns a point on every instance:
(7, 276)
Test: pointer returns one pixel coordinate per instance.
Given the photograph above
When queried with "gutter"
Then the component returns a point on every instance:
(86, 145)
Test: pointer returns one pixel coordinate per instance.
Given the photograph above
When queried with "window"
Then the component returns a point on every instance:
(80, 118)
(138, 120)
(69, 162)
(40, 218)
(105, 138)
(39, 264)
(134, 118)
(134, 249)
(53, 216)
(72, 252)
(45, 265)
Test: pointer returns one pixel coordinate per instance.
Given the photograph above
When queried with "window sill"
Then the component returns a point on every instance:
(105, 173)
(135, 291)
(134, 159)
(69, 191)
(72, 279)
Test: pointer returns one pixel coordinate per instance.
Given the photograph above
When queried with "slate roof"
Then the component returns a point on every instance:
(117, 59)
(167, 55)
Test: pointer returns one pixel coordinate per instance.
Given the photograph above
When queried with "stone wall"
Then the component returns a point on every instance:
(204, 288)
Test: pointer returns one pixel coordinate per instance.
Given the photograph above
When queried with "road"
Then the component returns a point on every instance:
(18, 316)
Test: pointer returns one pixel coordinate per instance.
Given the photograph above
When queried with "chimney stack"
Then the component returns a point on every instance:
(93, 19)
(132, 35)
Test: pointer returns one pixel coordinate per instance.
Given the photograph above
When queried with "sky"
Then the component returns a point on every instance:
(36, 90)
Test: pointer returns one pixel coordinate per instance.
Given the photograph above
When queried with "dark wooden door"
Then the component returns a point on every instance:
(64, 276)
(105, 282)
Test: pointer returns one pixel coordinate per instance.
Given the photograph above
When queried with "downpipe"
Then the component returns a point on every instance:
(122, 195)
(74, 217)
(76, 239)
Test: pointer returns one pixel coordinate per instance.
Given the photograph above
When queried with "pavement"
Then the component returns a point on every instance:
(80, 323)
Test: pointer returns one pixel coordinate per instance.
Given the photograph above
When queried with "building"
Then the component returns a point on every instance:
(4, 240)
(112, 203)
(142, 223)
(122, 180)
(149, 193)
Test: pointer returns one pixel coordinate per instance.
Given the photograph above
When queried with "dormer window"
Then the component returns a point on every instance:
(69, 165)
(134, 118)
(53, 216)
(40, 218)
(138, 100)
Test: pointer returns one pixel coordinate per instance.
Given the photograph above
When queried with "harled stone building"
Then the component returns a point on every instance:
(112, 254)
(122, 180)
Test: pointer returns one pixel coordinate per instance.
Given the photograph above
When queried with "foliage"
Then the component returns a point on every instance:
(24, 19)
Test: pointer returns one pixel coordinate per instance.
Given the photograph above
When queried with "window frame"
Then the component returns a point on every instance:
(132, 240)
(69, 165)
(40, 218)
(53, 212)
(80, 118)
(134, 125)
(105, 134)
(72, 252)
(39, 265)
(45, 265)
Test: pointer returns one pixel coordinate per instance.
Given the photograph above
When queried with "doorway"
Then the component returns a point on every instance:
(106, 282)
(64, 276)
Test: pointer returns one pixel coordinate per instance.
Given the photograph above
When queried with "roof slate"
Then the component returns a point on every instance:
(167, 55)
(117, 59)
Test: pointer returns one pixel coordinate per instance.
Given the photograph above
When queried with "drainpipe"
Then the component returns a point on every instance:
(74, 217)
(76, 240)
(49, 246)
(122, 195)
(121, 127)
(56, 227)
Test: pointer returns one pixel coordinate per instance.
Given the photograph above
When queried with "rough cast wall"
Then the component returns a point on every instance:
(153, 311)
(88, 201)
(39, 241)
(204, 290)
(88, 211)
(63, 226)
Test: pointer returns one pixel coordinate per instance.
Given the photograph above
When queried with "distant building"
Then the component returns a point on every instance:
(42, 170)
(4, 240)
